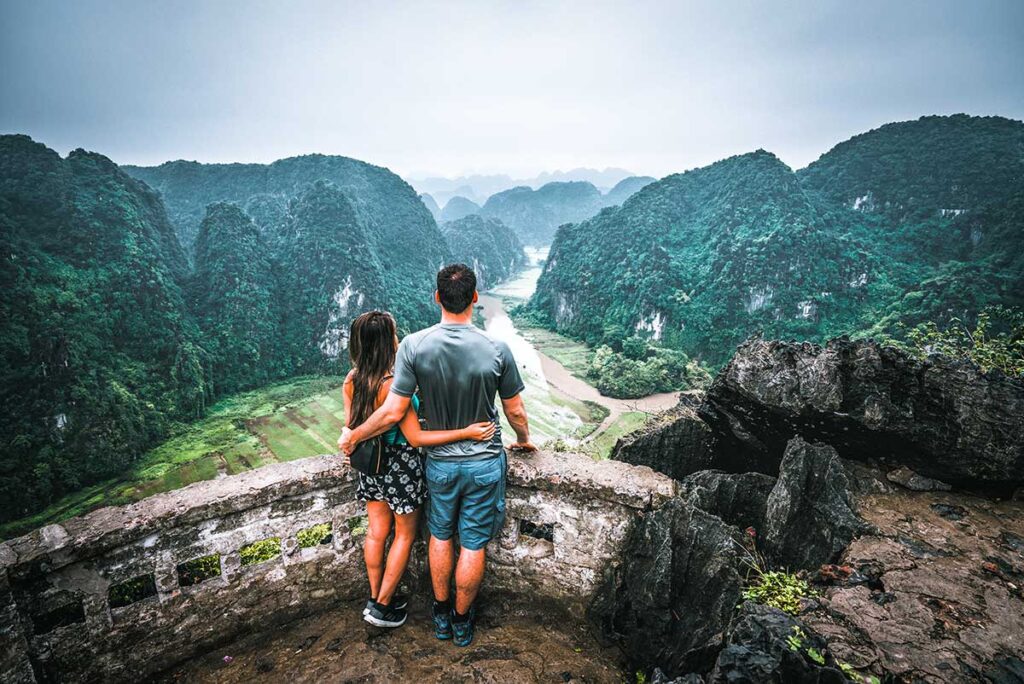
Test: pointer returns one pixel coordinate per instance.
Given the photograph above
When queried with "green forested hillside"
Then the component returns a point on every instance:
(110, 338)
(624, 189)
(697, 258)
(914, 221)
(487, 245)
(394, 219)
(458, 207)
(98, 353)
(942, 199)
(534, 215)
(329, 275)
(236, 297)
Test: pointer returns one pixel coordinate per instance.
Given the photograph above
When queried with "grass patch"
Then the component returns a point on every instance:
(132, 591)
(315, 535)
(358, 525)
(778, 589)
(281, 422)
(261, 551)
(602, 445)
(575, 356)
(199, 570)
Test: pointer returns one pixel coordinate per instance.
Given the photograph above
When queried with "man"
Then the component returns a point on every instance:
(458, 370)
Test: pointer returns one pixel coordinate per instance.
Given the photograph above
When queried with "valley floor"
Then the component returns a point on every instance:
(303, 417)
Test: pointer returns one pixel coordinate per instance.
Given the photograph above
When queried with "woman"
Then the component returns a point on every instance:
(394, 496)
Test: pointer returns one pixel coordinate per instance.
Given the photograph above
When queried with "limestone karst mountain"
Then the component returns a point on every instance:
(235, 294)
(395, 220)
(624, 189)
(694, 258)
(431, 206)
(458, 207)
(534, 215)
(917, 221)
(488, 246)
(99, 352)
(112, 338)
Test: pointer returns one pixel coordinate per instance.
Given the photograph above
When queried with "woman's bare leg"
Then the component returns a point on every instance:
(380, 517)
(398, 556)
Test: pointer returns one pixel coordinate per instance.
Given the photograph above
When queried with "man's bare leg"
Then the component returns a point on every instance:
(440, 553)
(468, 576)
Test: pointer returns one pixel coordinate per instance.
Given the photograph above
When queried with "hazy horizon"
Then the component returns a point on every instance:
(507, 88)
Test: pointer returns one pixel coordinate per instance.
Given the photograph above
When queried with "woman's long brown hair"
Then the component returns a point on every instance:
(371, 346)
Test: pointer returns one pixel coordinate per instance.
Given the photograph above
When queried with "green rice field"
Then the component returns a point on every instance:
(281, 422)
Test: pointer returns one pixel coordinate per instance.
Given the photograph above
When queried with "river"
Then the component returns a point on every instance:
(551, 390)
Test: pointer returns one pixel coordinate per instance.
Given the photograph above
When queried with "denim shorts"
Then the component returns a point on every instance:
(468, 496)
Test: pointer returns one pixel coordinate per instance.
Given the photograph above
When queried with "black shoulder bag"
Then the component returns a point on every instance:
(370, 457)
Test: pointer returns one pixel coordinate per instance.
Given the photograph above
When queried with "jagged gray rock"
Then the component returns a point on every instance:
(760, 650)
(943, 418)
(810, 516)
(675, 591)
(677, 444)
(739, 499)
(906, 477)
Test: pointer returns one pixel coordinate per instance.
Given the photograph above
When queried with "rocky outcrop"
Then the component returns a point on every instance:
(810, 516)
(944, 419)
(739, 499)
(669, 601)
(767, 645)
(678, 444)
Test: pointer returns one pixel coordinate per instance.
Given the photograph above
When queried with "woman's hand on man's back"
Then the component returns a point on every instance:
(481, 432)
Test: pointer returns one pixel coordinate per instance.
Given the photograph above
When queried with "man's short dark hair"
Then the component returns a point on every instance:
(456, 284)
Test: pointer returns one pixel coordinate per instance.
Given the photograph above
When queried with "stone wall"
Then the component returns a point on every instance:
(118, 594)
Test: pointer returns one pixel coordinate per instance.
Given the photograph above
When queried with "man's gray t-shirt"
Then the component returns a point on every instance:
(458, 369)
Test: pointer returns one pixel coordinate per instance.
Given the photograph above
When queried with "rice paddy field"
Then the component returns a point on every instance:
(281, 422)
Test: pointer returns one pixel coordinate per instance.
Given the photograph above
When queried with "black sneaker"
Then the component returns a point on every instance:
(442, 623)
(464, 630)
(386, 616)
(398, 601)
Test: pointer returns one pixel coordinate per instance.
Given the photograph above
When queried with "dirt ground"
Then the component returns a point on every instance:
(937, 595)
(339, 647)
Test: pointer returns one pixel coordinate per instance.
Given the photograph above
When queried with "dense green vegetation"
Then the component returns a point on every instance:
(458, 207)
(642, 368)
(398, 227)
(996, 342)
(237, 301)
(98, 355)
(280, 422)
(110, 339)
(534, 215)
(914, 222)
(488, 246)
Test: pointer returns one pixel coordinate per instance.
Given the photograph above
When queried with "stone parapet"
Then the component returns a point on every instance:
(124, 592)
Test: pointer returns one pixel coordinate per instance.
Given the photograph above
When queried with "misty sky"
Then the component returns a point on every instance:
(516, 87)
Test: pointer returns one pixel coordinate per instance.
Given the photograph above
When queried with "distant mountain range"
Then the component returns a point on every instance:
(478, 188)
(534, 215)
